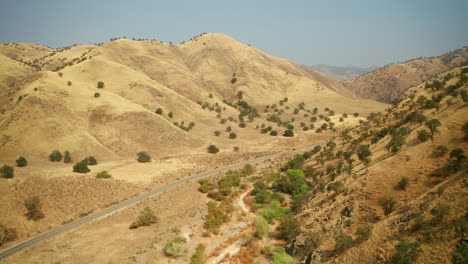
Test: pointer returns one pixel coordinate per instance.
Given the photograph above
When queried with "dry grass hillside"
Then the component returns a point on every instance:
(378, 191)
(197, 85)
(387, 83)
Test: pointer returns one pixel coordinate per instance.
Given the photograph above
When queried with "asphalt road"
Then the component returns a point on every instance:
(91, 217)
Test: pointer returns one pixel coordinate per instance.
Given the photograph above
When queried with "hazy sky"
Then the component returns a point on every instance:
(363, 33)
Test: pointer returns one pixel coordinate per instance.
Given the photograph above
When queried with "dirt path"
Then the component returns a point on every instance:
(235, 247)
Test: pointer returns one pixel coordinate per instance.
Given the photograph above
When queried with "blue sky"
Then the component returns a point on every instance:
(358, 33)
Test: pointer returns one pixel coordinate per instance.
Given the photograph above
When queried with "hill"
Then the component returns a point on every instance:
(190, 81)
(387, 83)
(341, 73)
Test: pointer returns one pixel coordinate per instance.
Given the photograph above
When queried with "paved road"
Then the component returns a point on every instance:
(67, 227)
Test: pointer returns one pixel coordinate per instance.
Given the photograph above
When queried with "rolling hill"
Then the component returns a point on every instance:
(58, 105)
(387, 83)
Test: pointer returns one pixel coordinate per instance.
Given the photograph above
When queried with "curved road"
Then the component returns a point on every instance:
(67, 227)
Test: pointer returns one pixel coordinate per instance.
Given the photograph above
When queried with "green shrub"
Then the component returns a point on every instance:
(67, 157)
(247, 170)
(288, 133)
(335, 186)
(21, 162)
(217, 133)
(363, 152)
(143, 157)
(440, 151)
(236, 149)
(423, 135)
(7, 171)
(7, 234)
(363, 233)
(439, 212)
(103, 174)
(197, 257)
(289, 228)
(459, 256)
(33, 205)
(146, 218)
(388, 205)
(55, 156)
(91, 161)
(96, 95)
(283, 258)
(81, 167)
(217, 215)
(407, 252)
(100, 84)
(170, 115)
(213, 149)
(232, 135)
(404, 183)
(273, 133)
(433, 125)
(262, 226)
(274, 211)
(343, 242)
(159, 111)
(173, 248)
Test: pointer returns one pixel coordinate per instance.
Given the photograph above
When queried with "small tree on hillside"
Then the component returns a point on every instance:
(404, 183)
(388, 205)
(55, 156)
(81, 167)
(213, 149)
(146, 218)
(407, 252)
(21, 162)
(433, 125)
(288, 133)
(7, 171)
(100, 84)
(33, 204)
(67, 157)
(232, 135)
(143, 157)
(91, 161)
(159, 111)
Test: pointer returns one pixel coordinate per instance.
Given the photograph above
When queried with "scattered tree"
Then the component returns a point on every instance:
(159, 111)
(173, 248)
(103, 175)
(143, 157)
(81, 167)
(433, 125)
(423, 135)
(388, 205)
(7, 171)
(100, 84)
(33, 205)
(232, 135)
(197, 257)
(21, 162)
(288, 133)
(7, 234)
(363, 233)
(407, 252)
(213, 149)
(146, 218)
(343, 242)
(55, 156)
(404, 183)
(67, 157)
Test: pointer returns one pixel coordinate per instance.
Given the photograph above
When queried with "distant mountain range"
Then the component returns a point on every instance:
(341, 73)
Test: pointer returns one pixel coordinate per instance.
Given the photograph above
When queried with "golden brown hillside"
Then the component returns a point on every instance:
(207, 82)
(387, 83)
